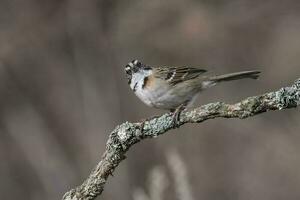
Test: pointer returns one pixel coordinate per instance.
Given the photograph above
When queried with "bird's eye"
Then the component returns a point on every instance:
(138, 64)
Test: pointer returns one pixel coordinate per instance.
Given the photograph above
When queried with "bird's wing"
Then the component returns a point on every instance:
(175, 75)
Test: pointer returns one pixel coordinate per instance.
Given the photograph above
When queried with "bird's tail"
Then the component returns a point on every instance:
(213, 80)
(235, 76)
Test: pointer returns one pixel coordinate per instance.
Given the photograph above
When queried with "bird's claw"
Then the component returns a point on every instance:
(142, 124)
(175, 119)
(176, 116)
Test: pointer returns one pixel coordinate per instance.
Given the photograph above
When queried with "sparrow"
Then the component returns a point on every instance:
(174, 88)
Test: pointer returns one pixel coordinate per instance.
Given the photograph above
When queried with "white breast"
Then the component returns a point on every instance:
(153, 96)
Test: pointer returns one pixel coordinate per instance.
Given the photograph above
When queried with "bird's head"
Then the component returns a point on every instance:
(135, 68)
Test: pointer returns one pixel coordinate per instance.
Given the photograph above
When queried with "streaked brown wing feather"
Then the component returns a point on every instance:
(175, 75)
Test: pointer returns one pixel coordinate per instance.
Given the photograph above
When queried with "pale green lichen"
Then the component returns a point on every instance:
(288, 97)
(155, 127)
(122, 133)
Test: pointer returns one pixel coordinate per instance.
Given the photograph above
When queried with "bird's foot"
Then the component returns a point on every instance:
(176, 115)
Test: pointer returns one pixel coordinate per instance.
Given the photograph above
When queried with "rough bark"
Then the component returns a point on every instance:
(127, 134)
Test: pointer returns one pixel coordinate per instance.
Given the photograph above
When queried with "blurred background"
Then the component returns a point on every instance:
(63, 90)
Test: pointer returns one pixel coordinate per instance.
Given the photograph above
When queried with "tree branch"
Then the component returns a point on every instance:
(127, 134)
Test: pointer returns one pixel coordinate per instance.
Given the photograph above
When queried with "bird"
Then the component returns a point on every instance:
(174, 88)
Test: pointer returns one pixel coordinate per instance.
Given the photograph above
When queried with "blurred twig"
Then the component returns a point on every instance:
(180, 176)
(158, 183)
(127, 134)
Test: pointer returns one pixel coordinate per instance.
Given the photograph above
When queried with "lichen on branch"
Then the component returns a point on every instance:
(127, 134)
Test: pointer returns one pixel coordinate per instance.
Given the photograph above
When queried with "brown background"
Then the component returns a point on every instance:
(62, 90)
